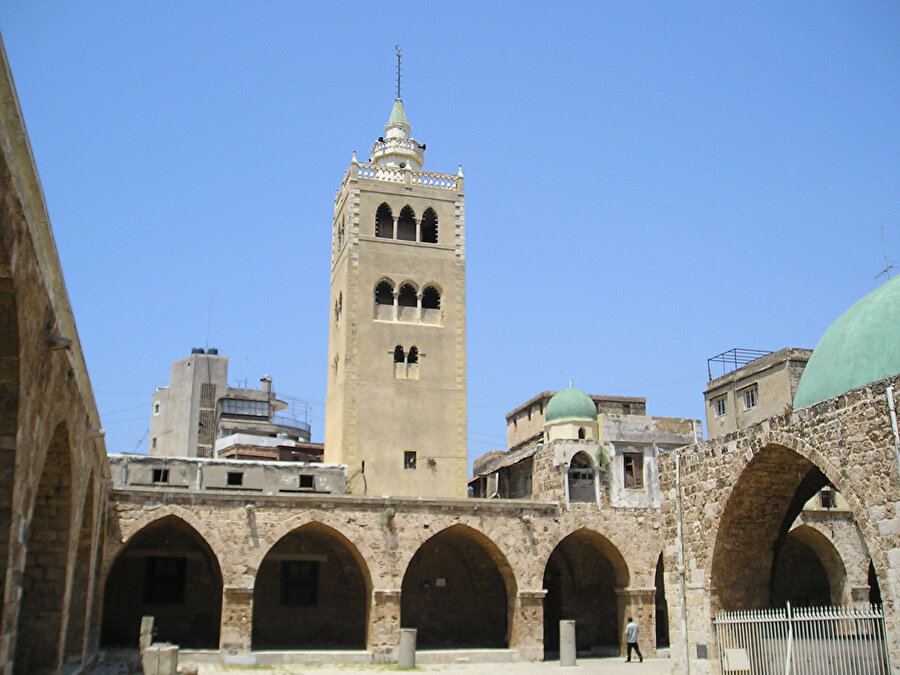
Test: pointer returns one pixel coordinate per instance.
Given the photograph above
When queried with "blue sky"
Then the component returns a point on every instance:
(648, 184)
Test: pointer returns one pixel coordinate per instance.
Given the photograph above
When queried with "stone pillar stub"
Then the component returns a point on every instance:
(237, 614)
(567, 642)
(406, 652)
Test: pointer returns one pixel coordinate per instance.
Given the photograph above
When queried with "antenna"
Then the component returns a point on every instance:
(208, 321)
(886, 270)
(399, 56)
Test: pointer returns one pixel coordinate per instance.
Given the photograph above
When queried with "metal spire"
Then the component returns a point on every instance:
(399, 55)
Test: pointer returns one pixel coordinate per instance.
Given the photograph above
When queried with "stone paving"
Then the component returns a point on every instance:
(599, 666)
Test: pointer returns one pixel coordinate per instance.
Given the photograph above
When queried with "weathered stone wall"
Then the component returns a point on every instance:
(384, 536)
(739, 494)
(48, 455)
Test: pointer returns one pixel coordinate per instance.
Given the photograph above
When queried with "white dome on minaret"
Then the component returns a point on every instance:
(397, 147)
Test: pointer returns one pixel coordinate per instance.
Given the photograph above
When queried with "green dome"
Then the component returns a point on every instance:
(570, 403)
(862, 346)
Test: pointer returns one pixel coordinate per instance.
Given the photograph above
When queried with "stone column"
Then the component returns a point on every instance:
(527, 625)
(383, 631)
(237, 619)
(396, 310)
(639, 603)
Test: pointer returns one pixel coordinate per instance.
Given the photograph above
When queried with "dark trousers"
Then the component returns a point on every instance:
(633, 645)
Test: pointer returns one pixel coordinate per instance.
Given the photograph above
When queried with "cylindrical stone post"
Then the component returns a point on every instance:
(406, 652)
(567, 643)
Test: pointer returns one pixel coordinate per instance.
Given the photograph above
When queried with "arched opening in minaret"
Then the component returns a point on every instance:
(407, 303)
(384, 222)
(412, 363)
(406, 224)
(661, 607)
(431, 305)
(384, 300)
(429, 228)
(398, 354)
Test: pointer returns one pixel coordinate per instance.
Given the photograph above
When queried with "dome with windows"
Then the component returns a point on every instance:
(571, 403)
(860, 347)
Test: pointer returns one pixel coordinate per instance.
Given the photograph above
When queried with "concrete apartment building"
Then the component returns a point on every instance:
(753, 385)
(199, 415)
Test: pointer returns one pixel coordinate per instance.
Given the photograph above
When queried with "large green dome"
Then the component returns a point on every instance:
(571, 403)
(862, 346)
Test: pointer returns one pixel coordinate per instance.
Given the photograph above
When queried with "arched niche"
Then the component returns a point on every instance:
(168, 571)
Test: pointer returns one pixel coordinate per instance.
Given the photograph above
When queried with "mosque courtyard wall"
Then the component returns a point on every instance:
(504, 545)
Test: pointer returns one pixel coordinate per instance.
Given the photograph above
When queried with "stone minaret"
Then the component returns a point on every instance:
(396, 406)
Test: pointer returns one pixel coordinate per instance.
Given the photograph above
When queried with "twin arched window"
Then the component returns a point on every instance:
(407, 227)
(406, 368)
(407, 304)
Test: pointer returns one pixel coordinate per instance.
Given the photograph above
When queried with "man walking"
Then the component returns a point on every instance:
(631, 639)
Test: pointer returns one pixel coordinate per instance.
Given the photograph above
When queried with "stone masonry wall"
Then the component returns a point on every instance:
(847, 438)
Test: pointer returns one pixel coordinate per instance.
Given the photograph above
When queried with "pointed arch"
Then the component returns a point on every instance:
(398, 354)
(431, 304)
(582, 576)
(413, 356)
(78, 605)
(406, 224)
(166, 569)
(407, 302)
(459, 590)
(808, 570)
(581, 478)
(429, 227)
(9, 406)
(384, 300)
(40, 614)
(384, 222)
(311, 591)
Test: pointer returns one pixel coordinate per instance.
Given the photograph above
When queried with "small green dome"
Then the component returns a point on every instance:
(571, 403)
(862, 346)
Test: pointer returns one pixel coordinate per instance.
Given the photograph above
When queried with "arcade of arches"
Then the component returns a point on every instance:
(341, 575)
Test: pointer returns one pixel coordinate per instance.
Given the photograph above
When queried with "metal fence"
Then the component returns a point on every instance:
(846, 640)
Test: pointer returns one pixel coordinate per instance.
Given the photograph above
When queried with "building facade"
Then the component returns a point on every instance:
(395, 410)
(199, 415)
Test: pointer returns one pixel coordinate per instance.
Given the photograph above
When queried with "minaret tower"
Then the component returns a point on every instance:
(395, 410)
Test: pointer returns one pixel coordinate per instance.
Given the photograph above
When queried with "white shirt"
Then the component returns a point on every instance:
(631, 632)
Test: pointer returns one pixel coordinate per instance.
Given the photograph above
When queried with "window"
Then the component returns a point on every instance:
(749, 396)
(156, 408)
(413, 356)
(153, 443)
(431, 305)
(235, 478)
(299, 583)
(384, 222)
(581, 434)
(719, 405)
(384, 300)
(307, 481)
(634, 470)
(409, 459)
(160, 475)
(429, 228)
(338, 307)
(164, 580)
(581, 479)
(398, 354)
(244, 407)
(406, 224)
(826, 499)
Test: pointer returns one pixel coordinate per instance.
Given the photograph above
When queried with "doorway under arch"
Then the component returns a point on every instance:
(168, 571)
(458, 591)
(311, 592)
(581, 578)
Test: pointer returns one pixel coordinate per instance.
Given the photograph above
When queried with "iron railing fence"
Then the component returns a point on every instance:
(803, 641)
